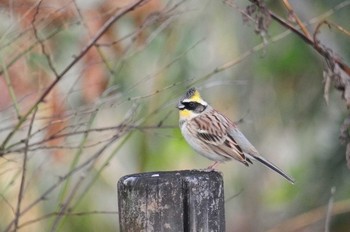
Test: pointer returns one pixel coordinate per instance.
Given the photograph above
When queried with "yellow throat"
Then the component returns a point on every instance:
(185, 114)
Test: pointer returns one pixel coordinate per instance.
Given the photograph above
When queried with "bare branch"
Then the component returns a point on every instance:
(24, 169)
(303, 220)
(298, 21)
(93, 41)
(64, 205)
(11, 91)
(62, 179)
(49, 215)
(329, 210)
(8, 203)
(323, 52)
(42, 45)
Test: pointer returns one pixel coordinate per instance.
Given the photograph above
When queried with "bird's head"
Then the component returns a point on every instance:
(191, 104)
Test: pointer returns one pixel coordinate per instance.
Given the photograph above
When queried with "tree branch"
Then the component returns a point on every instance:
(92, 42)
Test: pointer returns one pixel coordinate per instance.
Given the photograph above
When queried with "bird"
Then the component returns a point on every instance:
(216, 137)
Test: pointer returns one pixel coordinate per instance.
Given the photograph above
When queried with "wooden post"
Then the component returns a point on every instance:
(190, 201)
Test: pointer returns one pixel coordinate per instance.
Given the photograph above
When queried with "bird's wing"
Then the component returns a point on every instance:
(243, 142)
(215, 138)
(218, 140)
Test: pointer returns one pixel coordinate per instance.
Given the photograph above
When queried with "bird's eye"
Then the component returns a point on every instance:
(192, 105)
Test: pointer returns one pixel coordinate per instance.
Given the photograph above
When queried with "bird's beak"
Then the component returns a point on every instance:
(180, 106)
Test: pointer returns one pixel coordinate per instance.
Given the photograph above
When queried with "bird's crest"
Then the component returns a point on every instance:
(193, 95)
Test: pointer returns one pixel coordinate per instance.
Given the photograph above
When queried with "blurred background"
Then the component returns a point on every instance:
(111, 111)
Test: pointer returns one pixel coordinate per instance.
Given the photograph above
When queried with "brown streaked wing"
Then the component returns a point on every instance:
(216, 137)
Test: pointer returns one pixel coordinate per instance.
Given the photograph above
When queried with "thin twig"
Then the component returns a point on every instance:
(72, 166)
(99, 171)
(234, 196)
(8, 203)
(330, 24)
(24, 169)
(99, 51)
(42, 45)
(241, 58)
(77, 185)
(11, 90)
(329, 210)
(68, 200)
(330, 12)
(308, 218)
(28, 49)
(85, 213)
(82, 53)
(298, 21)
(11, 149)
(323, 52)
(63, 178)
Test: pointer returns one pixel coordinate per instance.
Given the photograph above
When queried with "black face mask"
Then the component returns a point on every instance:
(192, 106)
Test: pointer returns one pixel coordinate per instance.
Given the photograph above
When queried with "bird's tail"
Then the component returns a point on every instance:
(273, 167)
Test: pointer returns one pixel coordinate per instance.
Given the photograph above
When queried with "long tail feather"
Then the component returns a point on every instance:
(272, 167)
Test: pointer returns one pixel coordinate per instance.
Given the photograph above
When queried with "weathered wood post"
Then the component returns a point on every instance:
(190, 201)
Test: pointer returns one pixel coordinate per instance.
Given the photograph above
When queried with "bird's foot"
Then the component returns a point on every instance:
(211, 167)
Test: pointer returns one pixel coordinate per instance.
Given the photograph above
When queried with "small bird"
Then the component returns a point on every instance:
(214, 136)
